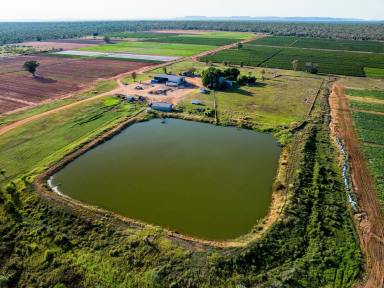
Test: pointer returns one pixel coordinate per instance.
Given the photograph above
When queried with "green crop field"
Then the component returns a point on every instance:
(371, 134)
(284, 41)
(375, 156)
(195, 40)
(319, 43)
(138, 35)
(366, 106)
(348, 45)
(369, 127)
(250, 55)
(151, 48)
(376, 94)
(329, 62)
(225, 35)
(374, 72)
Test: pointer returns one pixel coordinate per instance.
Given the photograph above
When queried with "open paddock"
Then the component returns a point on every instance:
(56, 77)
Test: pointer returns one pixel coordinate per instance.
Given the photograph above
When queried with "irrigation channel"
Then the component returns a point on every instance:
(195, 178)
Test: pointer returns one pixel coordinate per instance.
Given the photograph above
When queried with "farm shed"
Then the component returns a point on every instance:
(172, 79)
(162, 106)
(195, 102)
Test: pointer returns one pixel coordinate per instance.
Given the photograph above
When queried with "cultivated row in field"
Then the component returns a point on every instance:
(56, 77)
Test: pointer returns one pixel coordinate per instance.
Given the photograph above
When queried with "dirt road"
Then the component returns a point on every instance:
(371, 220)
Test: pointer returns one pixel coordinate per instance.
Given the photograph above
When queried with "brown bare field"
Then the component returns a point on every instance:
(56, 77)
(56, 45)
(371, 226)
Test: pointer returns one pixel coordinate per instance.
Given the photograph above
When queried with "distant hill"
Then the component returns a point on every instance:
(271, 18)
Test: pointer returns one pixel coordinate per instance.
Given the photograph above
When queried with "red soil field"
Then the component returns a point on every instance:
(56, 45)
(56, 78)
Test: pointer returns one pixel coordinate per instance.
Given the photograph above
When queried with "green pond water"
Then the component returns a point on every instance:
(194, 178)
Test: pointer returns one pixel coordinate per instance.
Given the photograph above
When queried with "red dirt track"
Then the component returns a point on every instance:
(371, 218)
(56, 77)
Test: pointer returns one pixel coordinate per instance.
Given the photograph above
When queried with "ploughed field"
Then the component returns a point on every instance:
(195, 178)
(56, 77)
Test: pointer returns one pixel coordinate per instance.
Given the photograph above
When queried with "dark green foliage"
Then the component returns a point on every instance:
(31, 66)
(19, 32)
(246, 80)
(211, 78)
(231, 74)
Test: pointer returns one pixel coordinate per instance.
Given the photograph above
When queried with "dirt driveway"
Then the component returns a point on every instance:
(173, 95)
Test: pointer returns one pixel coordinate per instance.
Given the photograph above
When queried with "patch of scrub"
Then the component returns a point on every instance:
(195, 178)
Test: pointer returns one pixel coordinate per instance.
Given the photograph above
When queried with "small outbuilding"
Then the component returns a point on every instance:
(204, 90)
(162, 106)
(195, 102)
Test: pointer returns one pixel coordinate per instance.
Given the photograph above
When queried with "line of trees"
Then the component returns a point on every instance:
(13, 32)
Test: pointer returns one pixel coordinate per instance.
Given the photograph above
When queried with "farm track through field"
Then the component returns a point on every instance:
(371, 220)
(366, 100)
(368, 112)
(4, 129)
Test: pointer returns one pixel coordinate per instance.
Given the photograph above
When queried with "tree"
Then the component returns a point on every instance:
(262, 72)
(31, 67)
(95, 34)
(241, 64)
(239, 45)
(231, 74)
(134, 76)
(295, 64)
(249, 80)
(107, 39)
(165, 69)
(213, 78)
(38, 38)
(311, 68)
(2, 172)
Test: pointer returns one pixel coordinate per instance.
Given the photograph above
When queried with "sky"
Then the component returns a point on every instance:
(160, 9)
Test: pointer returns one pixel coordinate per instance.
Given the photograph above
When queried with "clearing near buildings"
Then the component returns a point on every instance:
(192, 158)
